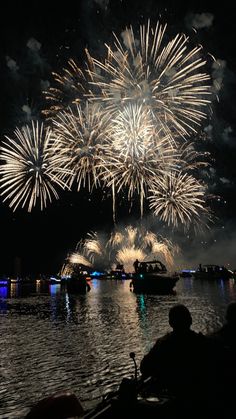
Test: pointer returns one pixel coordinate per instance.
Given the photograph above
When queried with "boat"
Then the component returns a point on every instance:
(134, 398)
(78, 283)
(115, 405)
(187, 273)
(140, 397)
(152, 277)
(117, 273)
(4, 281)
(213, 272)
(54, 279)
(98, 274)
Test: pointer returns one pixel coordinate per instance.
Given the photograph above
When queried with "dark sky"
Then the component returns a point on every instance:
(62, 30)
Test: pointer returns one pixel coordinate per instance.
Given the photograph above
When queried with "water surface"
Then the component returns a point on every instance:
(52, 341)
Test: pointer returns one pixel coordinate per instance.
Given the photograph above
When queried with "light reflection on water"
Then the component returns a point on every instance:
(52, 341)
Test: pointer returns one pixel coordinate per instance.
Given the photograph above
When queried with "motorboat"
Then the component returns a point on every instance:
(187, 273)
(78, 283)
(54, 279)
(213, 272)
(97, 274)
(117, 273)
(152, 277)
(4, 281)
(127, 402)
(122, 403)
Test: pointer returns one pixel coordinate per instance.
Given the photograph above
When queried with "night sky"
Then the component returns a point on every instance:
(38, 38)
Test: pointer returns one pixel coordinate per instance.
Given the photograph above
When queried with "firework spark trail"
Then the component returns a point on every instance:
(81, 133)
(163, 249)
(88, 251)
(80, 256)
(178, 198)
(138, 243)
(135, 152)
(77, 259)
(191, 159)
(123, 247)
(127, 255)
(161, 246)
(115, 239)
(167, 78)
(93, 246)
(29, 171)
(66, 270)
(71, 87)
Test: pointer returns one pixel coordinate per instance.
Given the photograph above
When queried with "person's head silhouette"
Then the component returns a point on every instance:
(180, 318)
(231, 314)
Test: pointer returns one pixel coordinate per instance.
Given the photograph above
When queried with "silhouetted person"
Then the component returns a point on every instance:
(226, 335)
(223, 349)
(143, 268)
(150, 268)
(136, 265)
(120, 267)
(177, 362)
(156, 268)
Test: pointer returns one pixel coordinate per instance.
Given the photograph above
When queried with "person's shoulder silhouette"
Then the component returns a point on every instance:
(177, 364)
(223, 349)
(180, 320)
(176, 359)
(231, 314)
(226, 335)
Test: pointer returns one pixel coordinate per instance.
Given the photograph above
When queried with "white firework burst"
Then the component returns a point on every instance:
(135, 152)
(81, 133)
(167, 77)
(178, 198)
(29, 172)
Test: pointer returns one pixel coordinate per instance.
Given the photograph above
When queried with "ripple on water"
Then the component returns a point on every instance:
(53, 342)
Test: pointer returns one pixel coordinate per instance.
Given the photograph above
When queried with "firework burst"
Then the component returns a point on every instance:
(70, 87)
(29, 170)
(77, 259)
(74, 261)
(190, 159)
(178, 199)
(81, 133)
(135, 152)
(139, 243)
(93, 246)
(88, 252)
(122, 247)
(122, 124)
(166, 77)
